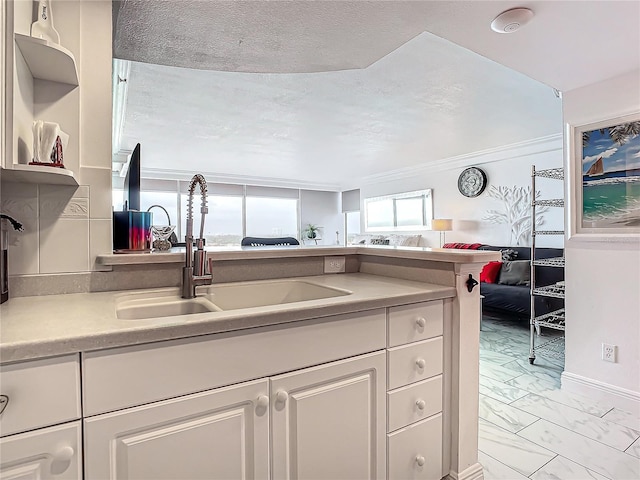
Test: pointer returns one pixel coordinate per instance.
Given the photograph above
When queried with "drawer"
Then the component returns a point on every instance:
(415, 452)
(40, 392)
(124, 377)
(415, 322)
(414, 402)
(414, 362)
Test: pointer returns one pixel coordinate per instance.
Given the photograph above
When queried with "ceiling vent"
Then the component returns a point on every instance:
(511, 20)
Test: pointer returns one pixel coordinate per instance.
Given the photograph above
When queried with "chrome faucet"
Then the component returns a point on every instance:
(194, 272)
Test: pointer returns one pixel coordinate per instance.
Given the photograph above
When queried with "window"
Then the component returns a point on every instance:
(168, 200)
(352, 226)
(272, 217)
(402, 211)
(223, 222)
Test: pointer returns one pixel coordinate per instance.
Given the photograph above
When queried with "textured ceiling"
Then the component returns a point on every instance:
(332, 129)
(264, 36)
(371, 111)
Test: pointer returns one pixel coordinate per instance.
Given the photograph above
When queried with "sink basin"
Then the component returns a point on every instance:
(153, 305)
(217, 298)
(260, 294)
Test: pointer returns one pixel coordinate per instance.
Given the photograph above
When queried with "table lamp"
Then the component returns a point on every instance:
(441, 225)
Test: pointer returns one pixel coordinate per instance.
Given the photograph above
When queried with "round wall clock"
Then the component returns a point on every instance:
(472, 182)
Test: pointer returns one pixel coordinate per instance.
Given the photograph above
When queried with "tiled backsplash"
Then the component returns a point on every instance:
(62, 232)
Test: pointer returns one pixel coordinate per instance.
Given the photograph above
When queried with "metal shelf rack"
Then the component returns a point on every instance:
(554, 346)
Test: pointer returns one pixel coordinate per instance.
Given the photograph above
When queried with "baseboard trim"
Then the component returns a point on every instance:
(474, 472)
(619, 397)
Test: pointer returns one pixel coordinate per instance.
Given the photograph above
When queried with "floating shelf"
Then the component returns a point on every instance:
(47, 60)
(39, 174)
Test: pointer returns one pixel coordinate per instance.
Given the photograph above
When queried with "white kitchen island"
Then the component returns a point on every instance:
(379, 383)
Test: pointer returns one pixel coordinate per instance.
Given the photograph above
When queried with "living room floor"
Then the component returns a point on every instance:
(529, 428)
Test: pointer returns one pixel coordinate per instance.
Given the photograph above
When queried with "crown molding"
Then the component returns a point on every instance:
(536, 146)
(120, 90)
(170, 174)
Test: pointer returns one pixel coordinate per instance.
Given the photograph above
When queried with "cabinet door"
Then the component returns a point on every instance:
(215, 435)
(48, 453)
(329, 421)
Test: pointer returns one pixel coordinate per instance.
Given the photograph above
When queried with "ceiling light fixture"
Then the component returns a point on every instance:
(511, 20)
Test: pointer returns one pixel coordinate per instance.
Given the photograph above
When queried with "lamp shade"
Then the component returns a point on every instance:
(441, 224)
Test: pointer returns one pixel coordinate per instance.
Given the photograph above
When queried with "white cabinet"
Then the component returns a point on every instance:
(38, 394)
(415, 372)
(48, 453)
(329, 421)
(216, 435)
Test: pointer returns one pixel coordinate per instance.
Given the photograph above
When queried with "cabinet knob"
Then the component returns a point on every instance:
(420, 404)
(64, 454)
(420, 363)
(62, 460)
(262, 401)
(420, 460)
(282, 396)
(421, 322)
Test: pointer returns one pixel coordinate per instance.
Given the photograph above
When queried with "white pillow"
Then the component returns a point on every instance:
(412, 241)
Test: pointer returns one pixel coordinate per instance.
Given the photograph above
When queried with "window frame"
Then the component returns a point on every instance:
(425, 195)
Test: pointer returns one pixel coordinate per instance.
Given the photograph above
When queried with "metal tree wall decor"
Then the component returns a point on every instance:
(516, 212)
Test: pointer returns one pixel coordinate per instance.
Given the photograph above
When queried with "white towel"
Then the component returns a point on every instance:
(44, 140)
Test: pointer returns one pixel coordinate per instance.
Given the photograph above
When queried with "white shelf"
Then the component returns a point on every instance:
(39, 174)
(47, 60)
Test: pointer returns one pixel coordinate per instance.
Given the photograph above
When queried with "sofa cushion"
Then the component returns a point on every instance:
(508, 254)
(517, 272)
(490, 271)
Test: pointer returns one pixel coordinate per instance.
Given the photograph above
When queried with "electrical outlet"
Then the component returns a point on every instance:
(609, 352)
(334, 264)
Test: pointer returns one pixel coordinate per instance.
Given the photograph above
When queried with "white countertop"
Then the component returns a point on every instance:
(42, 326)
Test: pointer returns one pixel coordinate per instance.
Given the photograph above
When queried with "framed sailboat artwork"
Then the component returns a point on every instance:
(605, 179)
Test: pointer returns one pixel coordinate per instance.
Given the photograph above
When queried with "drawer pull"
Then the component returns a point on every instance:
(4, 401)
(263, 401)
(420, 404)
(421, 322)
(420, 363)
(420, 460)
(282, 396)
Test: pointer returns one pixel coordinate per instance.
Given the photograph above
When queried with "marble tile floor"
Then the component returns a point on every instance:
(529, 428)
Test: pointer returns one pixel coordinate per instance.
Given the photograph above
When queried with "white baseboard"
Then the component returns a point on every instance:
(621, 398)
(474, 472)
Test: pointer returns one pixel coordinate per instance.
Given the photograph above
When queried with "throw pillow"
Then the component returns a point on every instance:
(379, 241)
(508, 254)
(517, 272)
(490, 271)
(412, 241)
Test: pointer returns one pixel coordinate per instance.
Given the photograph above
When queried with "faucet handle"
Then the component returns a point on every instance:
(209, 269)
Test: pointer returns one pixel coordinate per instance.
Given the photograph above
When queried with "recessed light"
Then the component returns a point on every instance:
(511, 20)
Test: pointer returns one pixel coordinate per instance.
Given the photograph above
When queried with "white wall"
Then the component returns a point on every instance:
(507, 166)
(322, 209)
(603, 277)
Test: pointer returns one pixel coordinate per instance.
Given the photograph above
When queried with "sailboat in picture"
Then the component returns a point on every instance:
(596, 168)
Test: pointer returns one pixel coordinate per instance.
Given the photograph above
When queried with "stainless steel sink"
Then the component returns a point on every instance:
(259, 294)
(217, 298)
